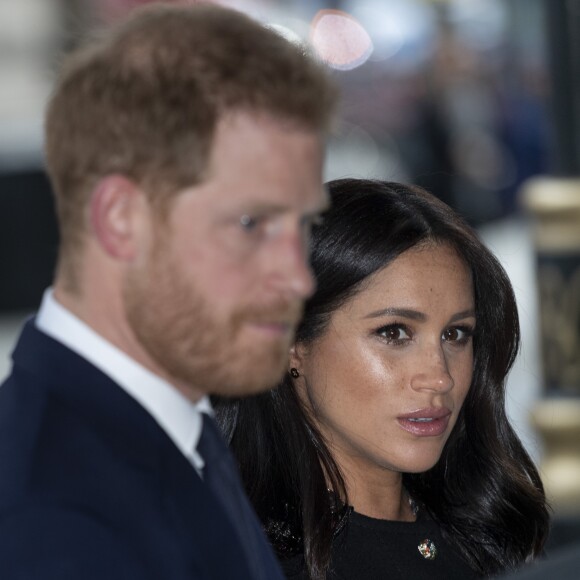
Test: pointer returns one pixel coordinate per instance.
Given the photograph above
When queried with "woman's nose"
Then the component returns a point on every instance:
(433, 374)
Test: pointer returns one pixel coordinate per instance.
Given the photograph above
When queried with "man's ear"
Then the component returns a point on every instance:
(114, 211)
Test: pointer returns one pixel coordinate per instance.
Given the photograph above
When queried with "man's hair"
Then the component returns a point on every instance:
(144, 99)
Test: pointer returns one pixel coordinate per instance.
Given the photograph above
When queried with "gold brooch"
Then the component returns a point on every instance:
(427, 549)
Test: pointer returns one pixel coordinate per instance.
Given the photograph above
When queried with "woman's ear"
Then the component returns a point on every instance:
(298, 370)
(297, 357)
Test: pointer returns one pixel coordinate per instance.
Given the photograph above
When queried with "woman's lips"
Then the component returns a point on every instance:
(426, 422)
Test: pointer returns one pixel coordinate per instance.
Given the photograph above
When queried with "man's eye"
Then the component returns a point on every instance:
(248, 222)
(313, 220)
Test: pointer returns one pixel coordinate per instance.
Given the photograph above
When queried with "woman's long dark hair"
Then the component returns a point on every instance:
(485, 491)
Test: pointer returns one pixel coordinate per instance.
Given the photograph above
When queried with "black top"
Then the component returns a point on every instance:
(369, 549)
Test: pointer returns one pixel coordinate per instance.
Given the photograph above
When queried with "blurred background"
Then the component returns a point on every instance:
(468, 98)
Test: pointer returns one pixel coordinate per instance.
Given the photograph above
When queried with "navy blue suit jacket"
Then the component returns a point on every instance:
(92, 488)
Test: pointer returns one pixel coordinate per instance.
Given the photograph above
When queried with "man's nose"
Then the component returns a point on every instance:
(292, 275)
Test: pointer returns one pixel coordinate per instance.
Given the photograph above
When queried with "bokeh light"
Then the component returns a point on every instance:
(340, 40)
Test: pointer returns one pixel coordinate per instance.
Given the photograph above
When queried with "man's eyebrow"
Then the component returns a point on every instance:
(276, 208)
(263, 207)
(326, 203)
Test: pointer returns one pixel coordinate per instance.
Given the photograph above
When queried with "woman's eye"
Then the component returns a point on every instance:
(457, 334)
(394, 333)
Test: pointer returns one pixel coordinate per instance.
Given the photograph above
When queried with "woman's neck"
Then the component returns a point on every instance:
(380, 495)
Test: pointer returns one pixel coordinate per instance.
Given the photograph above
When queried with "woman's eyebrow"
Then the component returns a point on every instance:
(464, 314)
(403, 312)
(416, 315)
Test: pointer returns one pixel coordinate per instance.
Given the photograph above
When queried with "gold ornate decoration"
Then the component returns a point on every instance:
(554, 206)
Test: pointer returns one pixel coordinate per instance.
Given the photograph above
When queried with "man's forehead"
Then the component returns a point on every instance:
(319, 201)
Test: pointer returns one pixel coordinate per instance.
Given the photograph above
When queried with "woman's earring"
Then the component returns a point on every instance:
(294, 373)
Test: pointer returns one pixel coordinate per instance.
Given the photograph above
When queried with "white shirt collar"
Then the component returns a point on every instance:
(176, 415)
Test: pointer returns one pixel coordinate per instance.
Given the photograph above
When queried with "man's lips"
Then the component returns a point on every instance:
(274, 328)
(428, 422)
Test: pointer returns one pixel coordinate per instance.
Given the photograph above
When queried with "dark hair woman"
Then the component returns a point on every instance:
(386, 450)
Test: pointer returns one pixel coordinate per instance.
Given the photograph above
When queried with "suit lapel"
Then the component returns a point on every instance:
(203, 525)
